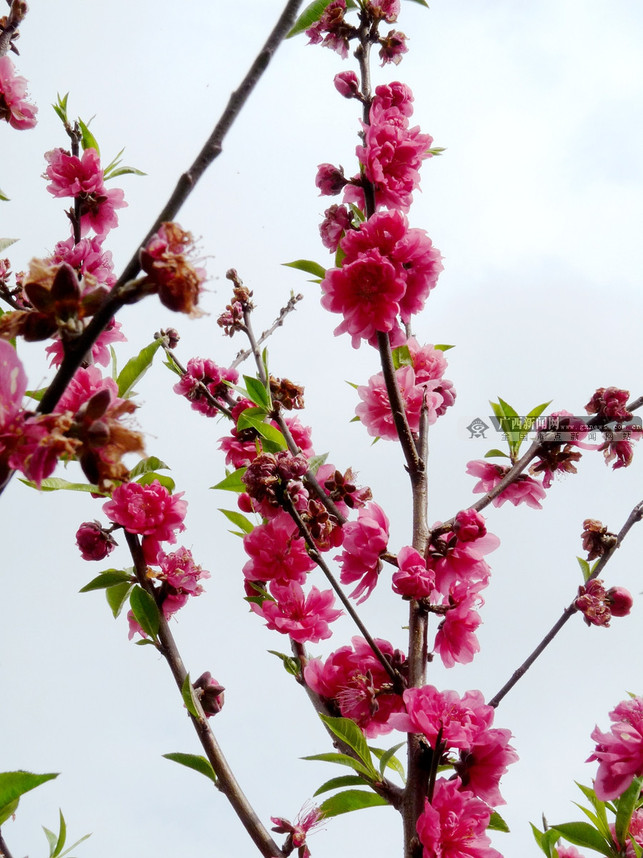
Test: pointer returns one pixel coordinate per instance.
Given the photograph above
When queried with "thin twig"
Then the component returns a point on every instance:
(246, 353)
(634, 517)
(226, 780)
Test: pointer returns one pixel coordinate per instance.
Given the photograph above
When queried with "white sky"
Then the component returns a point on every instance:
(536, 206)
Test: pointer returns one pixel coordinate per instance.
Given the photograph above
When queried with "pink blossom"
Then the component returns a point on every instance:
(354, 678)
(366, 292)
(98, 212)
(392, 96)
(330, 180)
(609, 403)
(364, 541)
(150, 511)
(569, 852)
(88, 258)
(346, 84)
(592, 603)
(619, 752)
(71, 176)
(454, 824)
(276, 552)
(635, 830)
(455, 641)
(85, 383)
(37, 443)
(456, 721)
(469, 525)
(457, 561)
(523, 490)
(298, 830)
(375, 408)
(100, 349)
(201, 373)
(14, 108)
(386, 9)
(484, 763)
(13, 383)
(180, 572)
(331, 30)
(412, 580)
(392, 47)
(304, 617)
(337, 219)
(94, 542)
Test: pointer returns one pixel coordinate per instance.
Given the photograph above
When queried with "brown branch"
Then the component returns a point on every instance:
(4, 849)
(635, 516)
(226, 780)
(246, 353)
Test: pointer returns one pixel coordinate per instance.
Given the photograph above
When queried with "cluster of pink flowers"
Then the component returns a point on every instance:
(620, 751)
(599, 605)
(332, 30)
(14, 107)
(354, 681)
(387, 272)
(82, 178)
(524, 489)
(203, 373)
(421, 385)
(392, 152)
(150, 511)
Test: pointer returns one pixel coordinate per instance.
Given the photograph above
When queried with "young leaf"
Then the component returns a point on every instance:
(187, 692)
(626, 806)
(308, 265)
(145, 610)
(584, 834)
(135, 369)
(497, 823)
(585, 569)
(315, 463)
(193, 761)
(4, 198)
(36, 394)
(388, 759)
(239, 519)
(15, 784)
(257, 393)
(62, 837)
(107, 579)
(163, 479)
(232, 482)
(6, 242)
(54, 484)
(152, 463)
(349, 800)
(545, 839)
(443, 347)
(351, 735)
(87, 140)
(290, 663)
(308, 17)
(344, 760)
(117, 596)
(337, 783)
(402, 357)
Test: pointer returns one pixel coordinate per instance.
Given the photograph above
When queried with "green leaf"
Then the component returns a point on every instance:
(117, 596)
(257, 392)
(389, 760)
(145, 610)
(193, 761)
(54, 484)
(249, 417)
(402, 357)
(344, 760)
(87, 140)
(545, 839)
(349, 800)
(60, 107)
(74, 845)
(187, 692)
(495, 452)
(7, 242)
(308, 265)
(36, 394)
(152, 463)
(52, 839)
(308, 17)
(337, 783)
(252, 418)
(315, 463)
(584, 834)
(497, 823)
(163, 479)
(291, 664)
(442, 347)
(3, 198)
(351, 735)
(626, 807)
(585, 569)
(107, 579)
(233, 482)
(62, 837)
(238, 519)
(135, 369)
(13, 785)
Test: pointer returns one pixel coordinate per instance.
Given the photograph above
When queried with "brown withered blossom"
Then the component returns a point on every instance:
(289, 395)
(596, 538)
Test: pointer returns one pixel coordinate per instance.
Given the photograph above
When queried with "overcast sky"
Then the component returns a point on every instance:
(536, 206)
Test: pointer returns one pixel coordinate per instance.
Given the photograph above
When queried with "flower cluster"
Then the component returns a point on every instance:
(387, 273)
(599, 605)
(14, 107)
(620, 751)
(353, 680)
(523, 489)
(203, 375)
(421, 385)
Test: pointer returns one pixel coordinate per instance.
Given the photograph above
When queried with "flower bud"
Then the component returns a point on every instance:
(94, 541)
(620, 601)
(346, 84)
(210, 694)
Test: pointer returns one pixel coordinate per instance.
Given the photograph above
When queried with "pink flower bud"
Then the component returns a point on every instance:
(620, 601)
(469, 525)
(94, 541)
(330, 180)
(346, 84)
